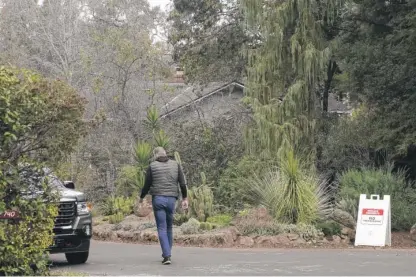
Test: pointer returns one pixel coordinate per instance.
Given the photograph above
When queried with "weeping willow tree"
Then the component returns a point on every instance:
(284, 72)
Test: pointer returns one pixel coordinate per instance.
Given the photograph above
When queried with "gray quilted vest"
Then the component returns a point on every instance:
(164, 178)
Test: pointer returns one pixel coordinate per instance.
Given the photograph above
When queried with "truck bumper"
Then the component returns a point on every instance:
(74, 239)
(70, 244)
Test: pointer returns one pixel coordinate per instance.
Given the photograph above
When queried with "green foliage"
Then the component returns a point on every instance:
(143, 153)
(179, 219)
(346, 142)
(284, 72)
(152, 119)
(190, 227)
(231, 190)
(116, 218)
(383, 182)
(206, 226)
(220, 219)
(129, 181)
(378, 55)
(161, 139)
(23, 243)
(329, 228)
(212, 50)
(37, 116)
(253, 225)
(41, 119)
(208, 148)
(118, 205)
(201, 201)
(348, 205)
(292, 193)
(178, 158)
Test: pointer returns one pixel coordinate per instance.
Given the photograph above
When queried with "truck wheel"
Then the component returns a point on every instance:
(77, 258)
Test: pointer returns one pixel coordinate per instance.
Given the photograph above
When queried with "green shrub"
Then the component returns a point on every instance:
(179, 219)
(206, 226)
(329, 228)
(43, 120)
(348, 205)
(258, 222)
(116, 218)
(231, 191)
(23, 245)
(120, 204)
(383, 182)
(292, 193)
(129, 181)
(190, 227)
(220, 219)
(201, 201)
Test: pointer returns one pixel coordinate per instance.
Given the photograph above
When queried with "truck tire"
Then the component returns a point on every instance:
(77, 258)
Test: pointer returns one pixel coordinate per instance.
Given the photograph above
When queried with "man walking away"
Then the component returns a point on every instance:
(162, 178)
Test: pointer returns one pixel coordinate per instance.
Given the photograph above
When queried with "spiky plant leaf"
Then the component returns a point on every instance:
(142, 153)
(152, 118)
(178, 158)
(291, 192)
(161, 139)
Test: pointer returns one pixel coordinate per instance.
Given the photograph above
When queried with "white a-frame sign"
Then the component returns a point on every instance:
(373, 221)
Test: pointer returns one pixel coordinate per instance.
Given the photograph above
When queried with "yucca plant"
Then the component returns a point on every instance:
(178, 158)
(161, 139)
(291, 192)
(152, 119)
(130, 180)
(142, 153)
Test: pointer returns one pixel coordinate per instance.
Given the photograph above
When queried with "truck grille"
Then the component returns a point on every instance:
(66, 214)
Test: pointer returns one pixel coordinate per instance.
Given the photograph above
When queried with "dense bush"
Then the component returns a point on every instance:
(180, 218)
(42, 119)
(37, 116)
(329, 228)
(116, 218)
(206, 226)
(220, 219)
(231, 193)
(259, 223)
(191, 227)
(23, 243)
(345, 142)
(118, 205)
(383, 182)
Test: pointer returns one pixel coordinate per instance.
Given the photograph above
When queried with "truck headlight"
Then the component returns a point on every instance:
(83, 208)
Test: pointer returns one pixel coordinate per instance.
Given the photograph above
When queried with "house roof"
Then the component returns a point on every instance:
(194, 94)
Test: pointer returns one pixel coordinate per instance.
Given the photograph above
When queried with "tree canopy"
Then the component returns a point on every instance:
(39, 118)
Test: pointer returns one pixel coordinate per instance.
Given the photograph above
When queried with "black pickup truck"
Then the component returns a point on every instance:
(73, 225)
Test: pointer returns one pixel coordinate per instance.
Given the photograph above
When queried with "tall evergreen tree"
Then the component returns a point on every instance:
(284, 72)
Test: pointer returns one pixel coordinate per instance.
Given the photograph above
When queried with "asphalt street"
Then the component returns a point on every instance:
(131, 259)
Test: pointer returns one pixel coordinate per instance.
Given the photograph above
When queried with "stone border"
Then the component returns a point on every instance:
(221, 238)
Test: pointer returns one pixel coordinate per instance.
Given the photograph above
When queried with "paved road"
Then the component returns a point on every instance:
(129, 259)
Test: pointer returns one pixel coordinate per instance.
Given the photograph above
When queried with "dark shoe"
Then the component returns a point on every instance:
(166, 261)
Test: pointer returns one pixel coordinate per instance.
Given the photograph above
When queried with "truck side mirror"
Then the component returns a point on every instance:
(69, 184)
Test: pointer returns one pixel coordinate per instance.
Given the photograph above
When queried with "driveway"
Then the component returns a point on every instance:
(131, 259)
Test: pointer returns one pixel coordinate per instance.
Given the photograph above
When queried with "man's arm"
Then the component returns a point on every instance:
(182, 183)
(147, 183)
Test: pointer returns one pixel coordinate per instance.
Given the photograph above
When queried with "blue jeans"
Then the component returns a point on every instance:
(164, 208)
